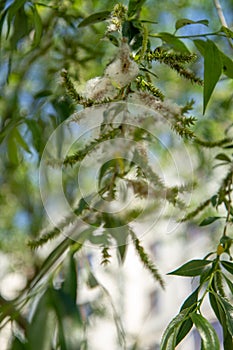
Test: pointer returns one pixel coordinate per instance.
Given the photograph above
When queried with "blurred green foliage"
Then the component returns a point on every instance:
(40, 39)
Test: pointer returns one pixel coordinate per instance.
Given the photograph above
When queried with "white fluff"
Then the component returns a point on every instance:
(99, 88)
(118, 74)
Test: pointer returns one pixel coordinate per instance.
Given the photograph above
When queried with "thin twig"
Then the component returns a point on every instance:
(222, 18)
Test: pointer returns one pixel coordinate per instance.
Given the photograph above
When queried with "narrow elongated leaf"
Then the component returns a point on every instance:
(212, 70)
(168, 341)
(184, 329)
(228, 309)
(191, 268)
(21, 141)
(223, 156)
(70, 283)
(39, 334)
(209, 220)
(227, 265)
(95, 18)
(212, 67)
(191, 300)
(185, 21)
(208, 335)
(227, 63)
(38, 27)
(229, 283)
(13, 9)
(221, 316)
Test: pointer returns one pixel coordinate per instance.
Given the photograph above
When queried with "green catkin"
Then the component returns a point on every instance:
(149, 265)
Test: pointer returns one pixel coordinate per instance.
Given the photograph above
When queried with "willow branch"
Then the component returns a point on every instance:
(222, 18)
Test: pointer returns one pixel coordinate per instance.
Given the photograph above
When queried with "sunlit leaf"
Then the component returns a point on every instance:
(185, 21)
(184, 329)
(228, 310)
(168, 341)
(191, 268)
(95, 18)
(208, 335)
(221, 316)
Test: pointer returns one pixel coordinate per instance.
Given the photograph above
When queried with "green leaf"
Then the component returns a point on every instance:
(12, 11)
(113, 166)
(120, 235)
(43, 93)
(133, 31)
(209, 220)
(228, 310)
(134, 7)
(172, 41)
(39, 334)
(227, 31)
(185, 21)
(83, 204)
(95, 18)
(223, 156)
(50, 261)
(2, 20)
(20, 28)
(221, 316)
(70, 284)
(92, 281)
(184, 329)
(212, 67)
(208, 335)
(38, 27)
(18, 345)
(12, 149)
(191, 300)
(191, 268)
(227, 65)
(21, 141)
(99, 239)
(168, 341)
(227, 265)
(229, 283)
